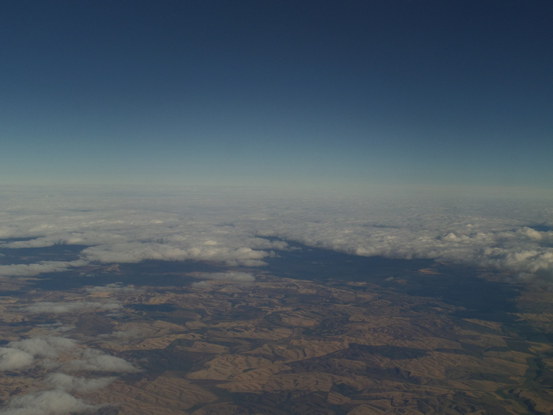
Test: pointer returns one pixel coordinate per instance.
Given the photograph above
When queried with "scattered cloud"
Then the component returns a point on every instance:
(71, 307)
(44, 347)
(14, 359)
(50, 402)
(24, 353)
(95, 360)
(70, 383)
(61, 355)
(28, 270)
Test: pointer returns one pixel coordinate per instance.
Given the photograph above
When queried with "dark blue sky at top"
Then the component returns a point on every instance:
(433, 92)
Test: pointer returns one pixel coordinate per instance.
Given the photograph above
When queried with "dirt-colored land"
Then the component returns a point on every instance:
(279, 346)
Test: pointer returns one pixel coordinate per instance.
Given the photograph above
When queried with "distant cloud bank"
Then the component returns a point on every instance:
(244, 229)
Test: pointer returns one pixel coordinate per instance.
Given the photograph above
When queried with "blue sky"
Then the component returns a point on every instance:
(273, 92)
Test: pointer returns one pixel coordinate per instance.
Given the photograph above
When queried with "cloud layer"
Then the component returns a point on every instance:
(244, 229)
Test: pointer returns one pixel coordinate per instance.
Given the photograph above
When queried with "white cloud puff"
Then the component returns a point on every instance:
(77, 384)
(23, 353)
(97, 361)
(47, 346)
(52, 402)
(14, 359)
(59, 353)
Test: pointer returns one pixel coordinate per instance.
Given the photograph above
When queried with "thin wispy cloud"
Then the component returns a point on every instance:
(71, 307)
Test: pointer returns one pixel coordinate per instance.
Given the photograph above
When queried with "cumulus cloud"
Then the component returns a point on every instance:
(58, 353)
(22, 354)
(97, 361)
(51, 402)
(46, 349)
(47, 346)
(14, 359)
(77, 384)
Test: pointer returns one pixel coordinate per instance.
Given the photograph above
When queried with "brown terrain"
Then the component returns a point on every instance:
(282, 346)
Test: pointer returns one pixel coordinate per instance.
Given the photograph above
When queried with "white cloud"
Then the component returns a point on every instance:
(222, 227)
(14, 359)
(140, 251)
(66, 307)
(28, 270)
(52, 402)
(77, 384)
(47, 349)
(95, 360)
(23, 353)
(52, 352)
(47, 346)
